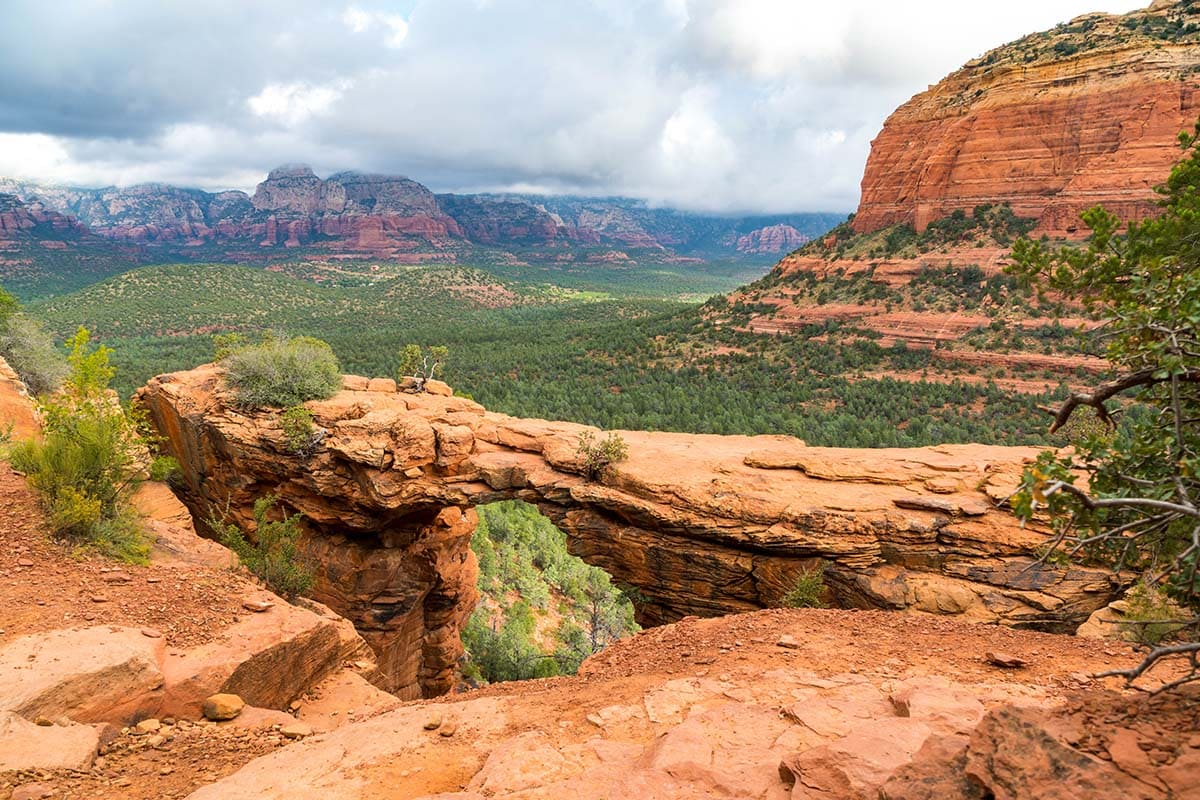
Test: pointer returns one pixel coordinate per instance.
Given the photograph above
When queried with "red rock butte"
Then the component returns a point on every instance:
(1052, 124)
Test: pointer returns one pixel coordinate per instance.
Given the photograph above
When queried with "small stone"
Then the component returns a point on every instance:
(220, 707)
(45, 722)
(788, 641)
(117, 577)
(295, 706)
(448, 729)
(99, 598)
(257, 606)
(1005, 660)
(151, 633)
(596, 720)
(166, 771)
(296, 731)
(33, 791)
(433, 724)
(24, 562)
(147, 726)
(156, 741)
(153, 580)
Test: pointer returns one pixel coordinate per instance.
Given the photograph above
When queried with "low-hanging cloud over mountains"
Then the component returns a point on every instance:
(715, 105)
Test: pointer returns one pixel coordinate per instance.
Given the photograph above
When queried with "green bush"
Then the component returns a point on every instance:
(282, 372)
(28, 349)
(300, 431)
(273, 556)
(90, 458)
(599, 455)
(1151, 617)
(808, 589)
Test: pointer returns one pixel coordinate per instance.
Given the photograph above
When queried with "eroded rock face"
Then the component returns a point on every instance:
(16, 407)
(701, 525)
(1051, 124)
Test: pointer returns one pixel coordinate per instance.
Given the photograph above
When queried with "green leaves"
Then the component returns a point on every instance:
(1137, 508)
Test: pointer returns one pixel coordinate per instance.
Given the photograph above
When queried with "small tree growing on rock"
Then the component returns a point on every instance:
(600, 454)
(420, 365)
(273, 556)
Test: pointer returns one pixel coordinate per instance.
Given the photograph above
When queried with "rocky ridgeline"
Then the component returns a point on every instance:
(356, 214)
(698, 524)
(1051, 124)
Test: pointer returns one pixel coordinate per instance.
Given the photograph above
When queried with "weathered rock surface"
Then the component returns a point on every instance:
(1051, 124)
(26, 746)
(701, 525)
(89, 674)
(641, 721)
(268, 659)
(16, 408)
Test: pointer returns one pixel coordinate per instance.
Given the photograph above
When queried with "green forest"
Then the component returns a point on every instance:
(601, 356)
(542, 611)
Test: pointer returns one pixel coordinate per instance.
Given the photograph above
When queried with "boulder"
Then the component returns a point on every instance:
(101, 674)
(267, 658)
(222, 706)
(26, 746)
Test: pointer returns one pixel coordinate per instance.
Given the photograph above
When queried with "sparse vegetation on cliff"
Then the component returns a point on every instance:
(300, 430)
(808, 590)
(91, 457)
(419, 365)
(272, 554)
(28, 349)
(598, 455)
(1139, 508)
(282, 371)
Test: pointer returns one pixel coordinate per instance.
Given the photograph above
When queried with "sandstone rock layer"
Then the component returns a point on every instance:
(700, 525)
(1051, 124)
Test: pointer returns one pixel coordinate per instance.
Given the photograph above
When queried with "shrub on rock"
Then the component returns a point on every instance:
(282, 372)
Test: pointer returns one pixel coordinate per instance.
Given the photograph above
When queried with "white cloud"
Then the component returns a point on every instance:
(356, 19)
(394, 26)
(292, 103)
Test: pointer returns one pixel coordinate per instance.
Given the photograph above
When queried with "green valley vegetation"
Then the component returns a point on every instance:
(91, 457)
(1139, 507)
(542, 611)
(615, 362)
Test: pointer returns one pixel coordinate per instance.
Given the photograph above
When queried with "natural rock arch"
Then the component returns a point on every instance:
(699, 524)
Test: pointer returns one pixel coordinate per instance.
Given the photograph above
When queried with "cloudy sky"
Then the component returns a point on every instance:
(719, 105)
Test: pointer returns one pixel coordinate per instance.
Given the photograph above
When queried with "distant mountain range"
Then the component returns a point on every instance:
(295, 213)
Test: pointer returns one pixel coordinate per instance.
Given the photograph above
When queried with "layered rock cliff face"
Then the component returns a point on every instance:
(700, 525)
(351, 214)
(18, 218)
(1051, 124)
(771, 239)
